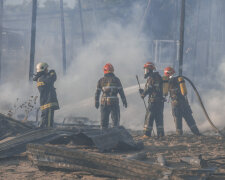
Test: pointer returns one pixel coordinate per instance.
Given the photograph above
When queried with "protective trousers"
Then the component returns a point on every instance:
(154, 112)
(47, 117)
(115, 115)
(183, 111)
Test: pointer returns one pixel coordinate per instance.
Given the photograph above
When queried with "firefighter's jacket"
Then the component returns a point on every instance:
(110, 86)
(45, 84)
(175, 94)
(154, 88)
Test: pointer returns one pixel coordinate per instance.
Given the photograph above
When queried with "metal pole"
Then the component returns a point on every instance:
(72, 30)
(1, 31)
(33, 38)
(181, 49)
(81, 21)
(175, 36)
(209, 37)
(63, 37)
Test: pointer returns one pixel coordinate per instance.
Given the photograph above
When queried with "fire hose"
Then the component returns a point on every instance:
(203, 107)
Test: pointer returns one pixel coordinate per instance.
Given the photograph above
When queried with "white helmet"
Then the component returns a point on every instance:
(41, 66)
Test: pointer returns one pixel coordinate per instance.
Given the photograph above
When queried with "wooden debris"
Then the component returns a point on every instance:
(46, 157)
(18, 144)
(11, 127)
(115, 138)
(112, 138)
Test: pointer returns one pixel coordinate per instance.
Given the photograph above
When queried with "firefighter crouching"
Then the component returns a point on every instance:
(48, 98)
(154, 89)
(179, 102)
(110, 86)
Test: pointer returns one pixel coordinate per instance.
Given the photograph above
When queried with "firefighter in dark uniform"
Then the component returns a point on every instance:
(48, 98)
(110, 86)
(179, 102)
(153, 88)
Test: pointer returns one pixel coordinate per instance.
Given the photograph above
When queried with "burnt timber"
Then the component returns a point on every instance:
(95, 163)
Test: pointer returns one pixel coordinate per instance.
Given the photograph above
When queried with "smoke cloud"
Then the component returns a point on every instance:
(120, 43)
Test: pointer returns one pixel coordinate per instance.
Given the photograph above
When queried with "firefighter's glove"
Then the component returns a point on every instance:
(125, 104)
(96, 105)
(141, 91)
(36, 76)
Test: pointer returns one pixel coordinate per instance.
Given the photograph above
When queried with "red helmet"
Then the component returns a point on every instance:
(108, 68)
(149, 65)
(169, 71)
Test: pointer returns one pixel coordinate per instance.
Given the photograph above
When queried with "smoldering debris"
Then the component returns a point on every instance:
(11, 127)
(117, 139)
(97, 164)
(69, 150)
(162, 155)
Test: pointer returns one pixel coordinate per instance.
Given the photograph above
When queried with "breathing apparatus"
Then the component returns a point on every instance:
(168, 72)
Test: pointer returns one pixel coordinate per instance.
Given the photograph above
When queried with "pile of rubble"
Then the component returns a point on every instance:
(85, 150)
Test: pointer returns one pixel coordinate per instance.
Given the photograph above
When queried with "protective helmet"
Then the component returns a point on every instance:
(169, 71)
(149, 65)
(108, 68)
(41, 66)
(148, 69)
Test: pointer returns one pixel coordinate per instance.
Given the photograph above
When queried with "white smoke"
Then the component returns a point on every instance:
(214, 100)
(118, 44)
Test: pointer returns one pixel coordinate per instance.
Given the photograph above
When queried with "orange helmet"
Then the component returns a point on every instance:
(149, 68)
(149, 65)
(169, 71)
(108, 68)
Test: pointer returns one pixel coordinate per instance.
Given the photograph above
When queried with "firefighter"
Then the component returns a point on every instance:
(154, 111)
(48, 98)
(179, 102)
(110, 86)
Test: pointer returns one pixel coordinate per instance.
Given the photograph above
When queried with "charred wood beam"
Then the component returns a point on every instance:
(18, 144)
(33, 38)
(11, 127)
(11, 120)
(94, 163)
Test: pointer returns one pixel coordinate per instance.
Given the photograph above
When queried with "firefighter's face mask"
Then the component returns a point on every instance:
(147, 72)
(171, 76)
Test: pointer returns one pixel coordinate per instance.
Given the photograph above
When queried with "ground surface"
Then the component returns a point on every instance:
(171, 147)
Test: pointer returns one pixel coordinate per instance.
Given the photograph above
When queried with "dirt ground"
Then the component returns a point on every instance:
(172, 148)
